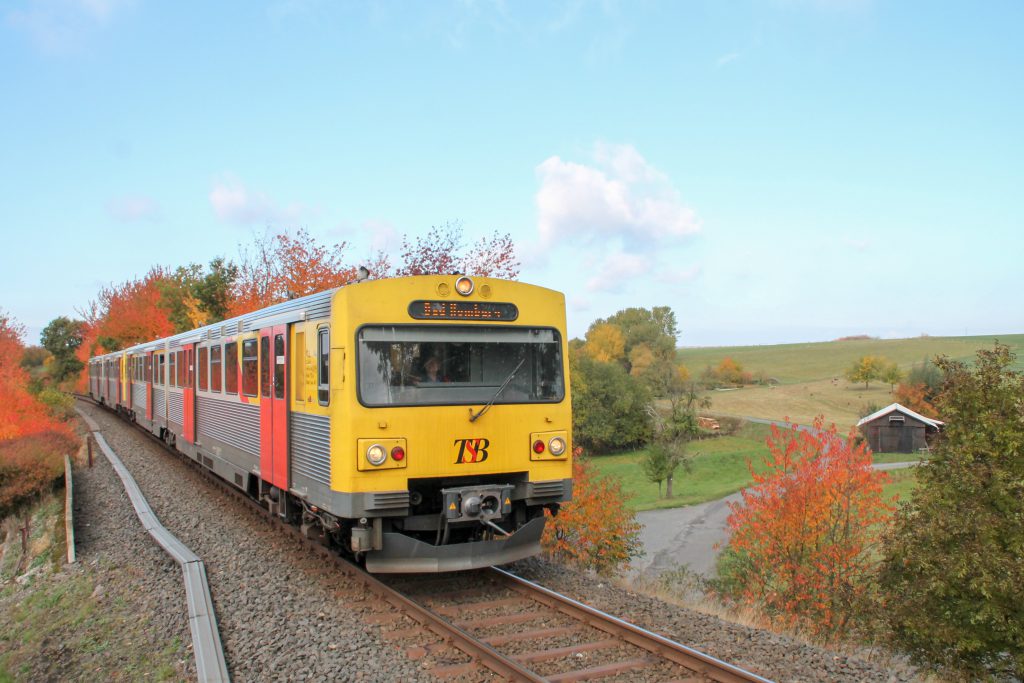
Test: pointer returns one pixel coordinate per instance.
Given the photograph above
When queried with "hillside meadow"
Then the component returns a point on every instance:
(810, 375)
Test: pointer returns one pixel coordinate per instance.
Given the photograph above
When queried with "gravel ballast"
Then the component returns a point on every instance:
(283, 613)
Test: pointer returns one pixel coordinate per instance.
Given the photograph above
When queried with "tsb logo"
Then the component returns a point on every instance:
(471, 450)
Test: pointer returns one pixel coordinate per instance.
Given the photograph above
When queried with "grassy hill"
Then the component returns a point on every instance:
(793, 363)
(807, 374)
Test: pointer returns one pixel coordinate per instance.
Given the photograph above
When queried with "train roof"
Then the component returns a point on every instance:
(309, 307)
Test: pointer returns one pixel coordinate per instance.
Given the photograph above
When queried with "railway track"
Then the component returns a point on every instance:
(503, 624)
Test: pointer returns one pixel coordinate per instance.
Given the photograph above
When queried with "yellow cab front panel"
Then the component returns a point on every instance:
(443, 402)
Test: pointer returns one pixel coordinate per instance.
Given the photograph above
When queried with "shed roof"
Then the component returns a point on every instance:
(896, 407)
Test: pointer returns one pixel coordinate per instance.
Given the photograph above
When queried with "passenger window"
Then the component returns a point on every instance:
(149, 368)
(278, 366)
(265, 366)
(190, 368)
(250, 370)
(323, 372)
(182, 368)
(215, 371)
(231, 368)
(172, 375)
(203, 368)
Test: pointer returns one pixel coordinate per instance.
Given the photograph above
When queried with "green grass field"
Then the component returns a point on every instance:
(719, 467)
(811, 375)
(901, 484)
(796, 363)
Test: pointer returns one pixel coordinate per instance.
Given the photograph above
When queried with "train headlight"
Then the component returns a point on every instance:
(376, 454)
(464, 286)
(556, 446)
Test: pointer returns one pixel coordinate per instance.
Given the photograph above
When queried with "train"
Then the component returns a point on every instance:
(421, 424)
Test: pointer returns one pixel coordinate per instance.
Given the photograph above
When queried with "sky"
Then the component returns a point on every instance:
(773, 170)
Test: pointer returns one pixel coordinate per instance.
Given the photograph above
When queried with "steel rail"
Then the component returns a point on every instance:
(211, 665)
(696, 660)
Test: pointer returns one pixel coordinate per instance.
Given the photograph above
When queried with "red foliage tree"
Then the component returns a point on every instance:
(132, 312)
(806, 531)
(441, 252)
(596, 530)
(32, 443)
(288, 266)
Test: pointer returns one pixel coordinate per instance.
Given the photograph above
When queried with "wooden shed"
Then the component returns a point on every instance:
(898, 429)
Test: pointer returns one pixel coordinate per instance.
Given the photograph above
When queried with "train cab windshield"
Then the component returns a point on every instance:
(452, 365)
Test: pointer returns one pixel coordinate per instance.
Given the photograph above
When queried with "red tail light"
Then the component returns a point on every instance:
(397, 453)
(538, 446)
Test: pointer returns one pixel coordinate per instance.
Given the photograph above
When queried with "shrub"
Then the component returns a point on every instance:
(596, 530)
(29, 465)
(954, 565)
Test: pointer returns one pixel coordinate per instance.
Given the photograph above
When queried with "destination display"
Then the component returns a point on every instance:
(462, 310)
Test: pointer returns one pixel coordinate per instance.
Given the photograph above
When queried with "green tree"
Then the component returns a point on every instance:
(213, 290)
(672, 429)
(62, 337)
(954, 565)
(608, 406)
(891, 375)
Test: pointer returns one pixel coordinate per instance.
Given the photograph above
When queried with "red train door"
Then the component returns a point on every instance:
(149, 386)
(274, 405)
(189, 395)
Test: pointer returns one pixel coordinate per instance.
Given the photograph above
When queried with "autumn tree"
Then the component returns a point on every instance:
(596, 530)
(61, 338)
(653, 328)
(443, 251)
(954, 566)
(806, 531)
(605, 343)
(286, 266)
(865, 369)
(920, 389)
(132, 312)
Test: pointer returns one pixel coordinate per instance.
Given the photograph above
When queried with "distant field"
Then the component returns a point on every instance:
(793, 363)
(808, 374)
(719, 468)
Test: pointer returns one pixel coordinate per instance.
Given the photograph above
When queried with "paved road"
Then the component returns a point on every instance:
(689, 535)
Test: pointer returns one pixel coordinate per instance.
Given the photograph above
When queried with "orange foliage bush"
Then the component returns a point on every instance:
(32, 443)
(596, 530)
(915, 397)
(805, 535)
(29, 465)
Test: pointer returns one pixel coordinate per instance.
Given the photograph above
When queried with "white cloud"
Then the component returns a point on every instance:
(617, 268)
(858, 244)
(233, 202)
(133, 208)
(727, 58)
(58, 25)
(620, 196)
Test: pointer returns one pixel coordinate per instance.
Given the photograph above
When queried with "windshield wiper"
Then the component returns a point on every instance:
(473, 418)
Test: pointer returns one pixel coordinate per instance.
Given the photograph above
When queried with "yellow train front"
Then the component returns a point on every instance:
(449, 420)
